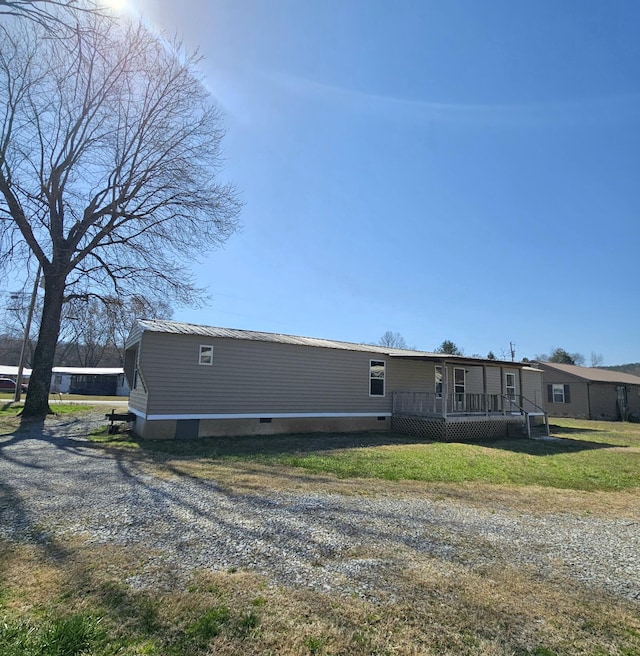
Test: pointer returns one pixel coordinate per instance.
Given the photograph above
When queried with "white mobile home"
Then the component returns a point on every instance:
(191, 381)
(107, 381)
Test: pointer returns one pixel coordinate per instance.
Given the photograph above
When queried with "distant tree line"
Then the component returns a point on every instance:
(93, 331)
(557, 354)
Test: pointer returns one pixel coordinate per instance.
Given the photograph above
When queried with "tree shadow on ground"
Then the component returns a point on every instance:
(282, 445)
(275, 445)
(544, 446)
(569, 430)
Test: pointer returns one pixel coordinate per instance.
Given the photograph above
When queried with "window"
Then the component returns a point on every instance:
(510, 385)
(376, 377)
(438, 382)
(558, 393)
(206, 354)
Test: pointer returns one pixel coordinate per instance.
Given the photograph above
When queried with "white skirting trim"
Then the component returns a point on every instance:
(261, 415)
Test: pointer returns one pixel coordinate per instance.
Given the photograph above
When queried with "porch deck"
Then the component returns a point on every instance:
(466, 416)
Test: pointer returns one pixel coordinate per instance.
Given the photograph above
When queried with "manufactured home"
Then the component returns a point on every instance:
(109, 381)
(590, 392)
(106, 381)
(190, 381)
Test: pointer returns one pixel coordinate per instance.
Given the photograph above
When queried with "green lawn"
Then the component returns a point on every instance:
(586, 455)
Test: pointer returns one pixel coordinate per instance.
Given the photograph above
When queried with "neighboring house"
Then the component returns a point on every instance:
(192, 381)
(11, 371)
(99, 381)
(590, 393)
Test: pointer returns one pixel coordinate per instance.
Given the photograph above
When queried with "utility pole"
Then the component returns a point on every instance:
(27, 331)
(512, 348)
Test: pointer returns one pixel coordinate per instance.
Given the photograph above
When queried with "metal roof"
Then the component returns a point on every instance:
(175, 327)
(89, 371)
(593, 374)
(178, 328)
(10, 370)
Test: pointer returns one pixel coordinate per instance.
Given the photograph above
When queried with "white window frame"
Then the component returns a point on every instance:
(510, 390)
(459, 390)
(206, 350)
(558, 389)
(383, 377)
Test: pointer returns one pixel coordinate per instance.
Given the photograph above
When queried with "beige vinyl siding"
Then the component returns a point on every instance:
(137, 396)
(249, 377)
(634, 400)
(532, 386)
(603, 401)
(578, 394)
(412, 375)
(474, 382)
(494, 384)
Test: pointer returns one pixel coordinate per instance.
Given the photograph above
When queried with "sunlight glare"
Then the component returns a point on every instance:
(115, 5)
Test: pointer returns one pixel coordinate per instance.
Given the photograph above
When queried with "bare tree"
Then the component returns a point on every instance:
(395, 340)
(101, 326)
(109, 156)
(49, 14)
(118, 315)
(596, 359)
(91, 330)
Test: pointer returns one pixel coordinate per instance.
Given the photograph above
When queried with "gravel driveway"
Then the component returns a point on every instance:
(53, 484)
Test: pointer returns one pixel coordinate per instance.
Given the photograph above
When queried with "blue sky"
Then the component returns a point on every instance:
(448, 170)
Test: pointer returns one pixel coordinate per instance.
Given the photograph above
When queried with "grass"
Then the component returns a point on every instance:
(70, 597)
(10, 411)
(8, 396)
(78, 600)
(590, 456)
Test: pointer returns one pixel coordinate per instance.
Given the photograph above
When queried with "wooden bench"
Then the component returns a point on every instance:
(114, 417)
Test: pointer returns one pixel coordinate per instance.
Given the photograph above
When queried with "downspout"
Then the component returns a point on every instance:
(589, 400)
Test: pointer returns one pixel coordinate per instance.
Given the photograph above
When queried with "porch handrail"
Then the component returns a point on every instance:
(528, 413)
(542, 411)
(480, 403)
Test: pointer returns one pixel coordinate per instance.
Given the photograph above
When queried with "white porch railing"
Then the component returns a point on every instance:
(430, 404)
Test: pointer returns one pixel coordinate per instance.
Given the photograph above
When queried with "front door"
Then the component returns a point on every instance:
(623, 402)
(458, 389)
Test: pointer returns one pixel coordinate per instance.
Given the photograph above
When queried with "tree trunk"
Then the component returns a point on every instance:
(37, 401)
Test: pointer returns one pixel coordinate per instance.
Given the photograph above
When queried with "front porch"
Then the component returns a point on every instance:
(451, 417)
